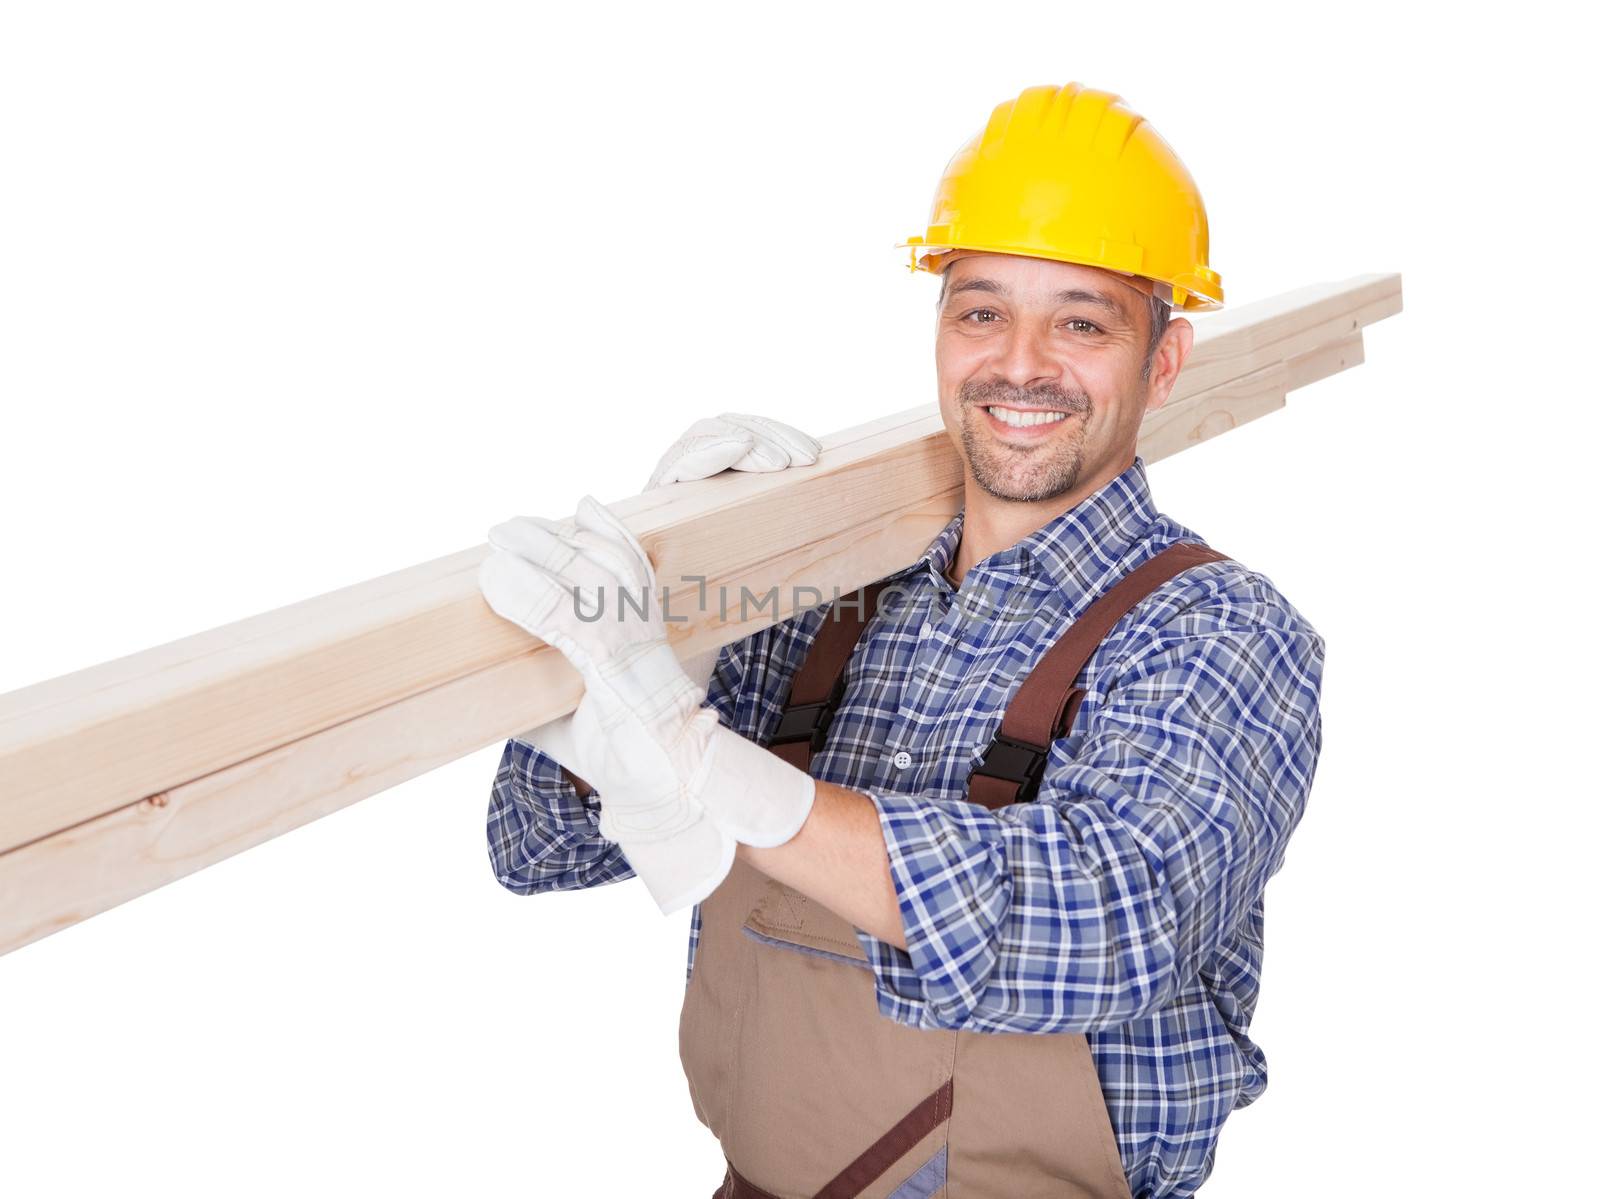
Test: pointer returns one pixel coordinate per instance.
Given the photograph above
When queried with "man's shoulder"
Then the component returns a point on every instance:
(1215, 620)
(1228, 595)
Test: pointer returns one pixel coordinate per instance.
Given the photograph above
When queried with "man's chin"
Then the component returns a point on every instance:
(1025, 489)
(1026, 477)
(1026, 473)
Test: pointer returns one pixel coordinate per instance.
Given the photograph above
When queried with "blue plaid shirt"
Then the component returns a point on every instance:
(1126, 902)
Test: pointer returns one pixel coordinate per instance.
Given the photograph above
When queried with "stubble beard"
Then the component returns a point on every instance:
(1023, 474)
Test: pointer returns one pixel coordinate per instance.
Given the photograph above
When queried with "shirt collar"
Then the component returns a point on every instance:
(1073, 551)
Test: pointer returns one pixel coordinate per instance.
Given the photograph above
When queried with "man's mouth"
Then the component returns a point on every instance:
(1035, 420)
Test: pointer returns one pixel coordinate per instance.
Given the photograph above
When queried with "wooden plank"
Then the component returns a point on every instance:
(1328, 360)
(59, 880)
(1175, 427)
(1237, 342)
(1189, 421)
(184, 722)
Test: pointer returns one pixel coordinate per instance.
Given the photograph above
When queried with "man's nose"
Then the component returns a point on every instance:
(1023, 356)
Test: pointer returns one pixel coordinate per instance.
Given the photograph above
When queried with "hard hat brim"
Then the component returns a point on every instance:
(934, 259)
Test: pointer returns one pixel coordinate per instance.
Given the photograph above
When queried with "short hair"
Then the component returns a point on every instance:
(1160, 316)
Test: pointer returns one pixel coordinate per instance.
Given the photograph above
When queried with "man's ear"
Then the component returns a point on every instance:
(1168, 360)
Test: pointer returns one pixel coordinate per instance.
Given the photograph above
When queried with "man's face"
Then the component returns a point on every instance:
(1042, 341)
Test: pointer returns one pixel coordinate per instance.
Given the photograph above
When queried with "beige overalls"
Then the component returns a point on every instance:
(810, 1090)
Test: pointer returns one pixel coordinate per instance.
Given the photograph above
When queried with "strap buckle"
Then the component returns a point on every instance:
(1019, 762)
(809, 722)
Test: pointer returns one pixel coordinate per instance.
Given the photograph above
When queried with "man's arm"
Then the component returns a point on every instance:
(1093, 905)
(839, 859)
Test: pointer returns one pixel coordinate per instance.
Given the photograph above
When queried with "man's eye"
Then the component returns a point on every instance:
(1088, 326)
(981, 312)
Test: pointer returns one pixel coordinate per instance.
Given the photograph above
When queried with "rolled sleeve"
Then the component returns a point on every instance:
(953, 887)
(542, 835)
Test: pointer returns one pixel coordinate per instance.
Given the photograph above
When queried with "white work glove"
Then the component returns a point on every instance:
(731, 441)
(679, 868)
(734, 440)
(658, 759)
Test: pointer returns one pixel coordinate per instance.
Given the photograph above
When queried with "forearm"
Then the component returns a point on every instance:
(839, 859)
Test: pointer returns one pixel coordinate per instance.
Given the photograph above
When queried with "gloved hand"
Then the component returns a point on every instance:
(678, 869)
(733, 440)
(736, 441)
(657, 758)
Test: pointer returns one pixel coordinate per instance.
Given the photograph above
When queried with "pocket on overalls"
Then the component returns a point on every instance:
(821, 1077)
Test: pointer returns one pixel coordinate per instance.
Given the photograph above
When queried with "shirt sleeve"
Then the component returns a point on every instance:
(722, 691)
(1158, 821)
(542, 835)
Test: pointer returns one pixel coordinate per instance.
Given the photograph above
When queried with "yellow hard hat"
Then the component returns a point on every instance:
(1073, 174)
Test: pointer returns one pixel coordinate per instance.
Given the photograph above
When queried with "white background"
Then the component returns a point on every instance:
(293, 295)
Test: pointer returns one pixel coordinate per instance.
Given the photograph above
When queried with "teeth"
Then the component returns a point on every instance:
(1023, 420)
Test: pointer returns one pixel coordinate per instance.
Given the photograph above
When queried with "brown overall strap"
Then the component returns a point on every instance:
(819, 683)
(1043, 707)
(872, 1163)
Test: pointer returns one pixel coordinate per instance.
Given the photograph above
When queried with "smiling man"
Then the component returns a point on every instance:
(977, 865)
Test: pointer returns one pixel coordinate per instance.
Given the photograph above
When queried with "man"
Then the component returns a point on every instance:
(896, 989)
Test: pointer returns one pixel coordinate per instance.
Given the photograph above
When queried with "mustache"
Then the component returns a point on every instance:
(1057, 399)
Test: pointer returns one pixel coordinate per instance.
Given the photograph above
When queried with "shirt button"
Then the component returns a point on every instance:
(902, 760)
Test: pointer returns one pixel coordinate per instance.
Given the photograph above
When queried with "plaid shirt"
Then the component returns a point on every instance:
(1125, 903)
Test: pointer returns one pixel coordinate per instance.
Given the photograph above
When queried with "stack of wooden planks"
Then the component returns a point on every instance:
(117, 779)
